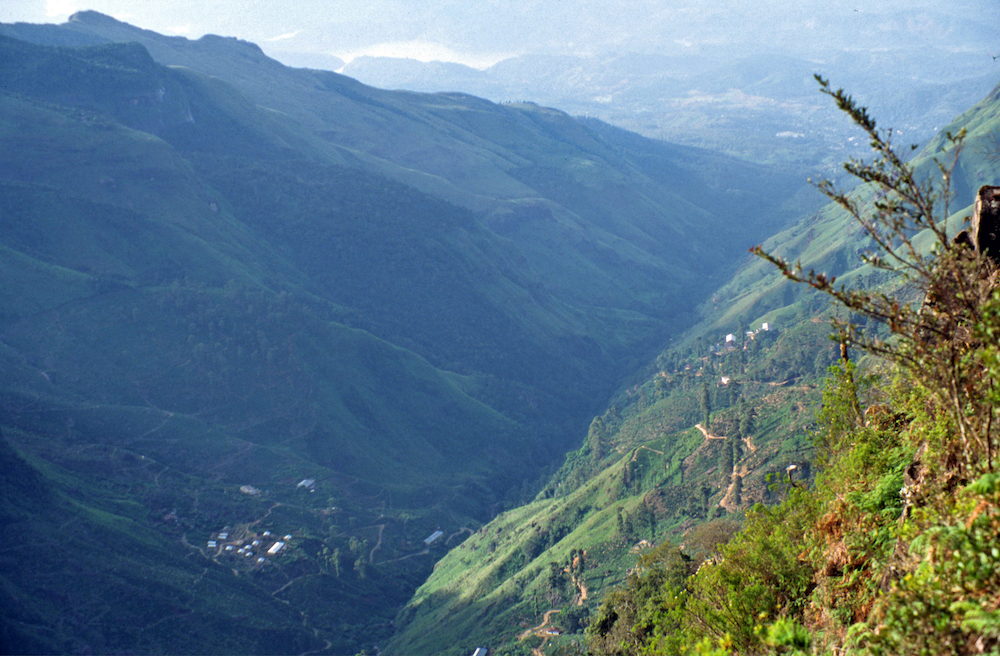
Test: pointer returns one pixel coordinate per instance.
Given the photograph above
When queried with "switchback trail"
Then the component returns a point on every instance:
(694, 454)
(464, 529)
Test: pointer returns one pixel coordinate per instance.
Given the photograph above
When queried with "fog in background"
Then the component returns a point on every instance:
(485, 31)
(734, 75)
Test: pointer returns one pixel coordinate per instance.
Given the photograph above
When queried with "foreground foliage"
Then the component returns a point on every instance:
(895, 548)
(850, 564)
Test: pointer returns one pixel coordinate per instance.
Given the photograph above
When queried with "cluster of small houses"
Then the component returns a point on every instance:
(249, 546)
(731, 343)
(306, 483)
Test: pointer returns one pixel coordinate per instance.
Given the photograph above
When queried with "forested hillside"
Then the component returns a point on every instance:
(600, 224)
(249, 301)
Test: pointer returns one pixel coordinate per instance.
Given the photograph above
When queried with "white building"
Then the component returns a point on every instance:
(276, 547)
(433, 537)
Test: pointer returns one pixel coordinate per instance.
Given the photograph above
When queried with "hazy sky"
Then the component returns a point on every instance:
(481, 32)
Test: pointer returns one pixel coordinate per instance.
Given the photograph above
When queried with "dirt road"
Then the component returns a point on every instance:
(540, 632)
(708, 436)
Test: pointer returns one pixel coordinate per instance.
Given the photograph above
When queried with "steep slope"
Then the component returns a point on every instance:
(648, 474)
(643, 474)
(159, 355)
(121, 213)
(212, 317)
(830, 241)
(246, 300)
(593, 224)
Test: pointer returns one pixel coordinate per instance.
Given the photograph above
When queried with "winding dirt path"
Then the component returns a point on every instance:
(741, 469)
(464, 529)
(156, 479)
(540, 631)
(686, 462)
(266, 515)
(635, 454)
(378, 545)
(578, 582)
(412, 555)
(163, 423)
(708, 436)
(315, 631)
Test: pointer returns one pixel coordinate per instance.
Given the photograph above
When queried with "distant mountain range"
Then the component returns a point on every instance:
(758, 105)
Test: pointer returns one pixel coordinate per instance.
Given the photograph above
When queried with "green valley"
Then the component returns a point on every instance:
(220, 275)
(601, 560)
(487, 373)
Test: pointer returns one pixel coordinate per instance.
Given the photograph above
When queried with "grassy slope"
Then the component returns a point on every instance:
(145, 212)
(122, 219)
(829, 240)
(657, 473)
(242, 367)
(491, 588)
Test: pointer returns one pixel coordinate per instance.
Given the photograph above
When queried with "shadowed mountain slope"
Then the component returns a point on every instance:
(416, 302)
(598, 226)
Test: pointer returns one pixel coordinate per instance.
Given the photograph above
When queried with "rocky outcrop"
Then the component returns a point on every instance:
(986, 222)
(984, 233)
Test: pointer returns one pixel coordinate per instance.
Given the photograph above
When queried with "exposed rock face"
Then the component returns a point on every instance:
(986, 222)
(983, 237)
(984, 233)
